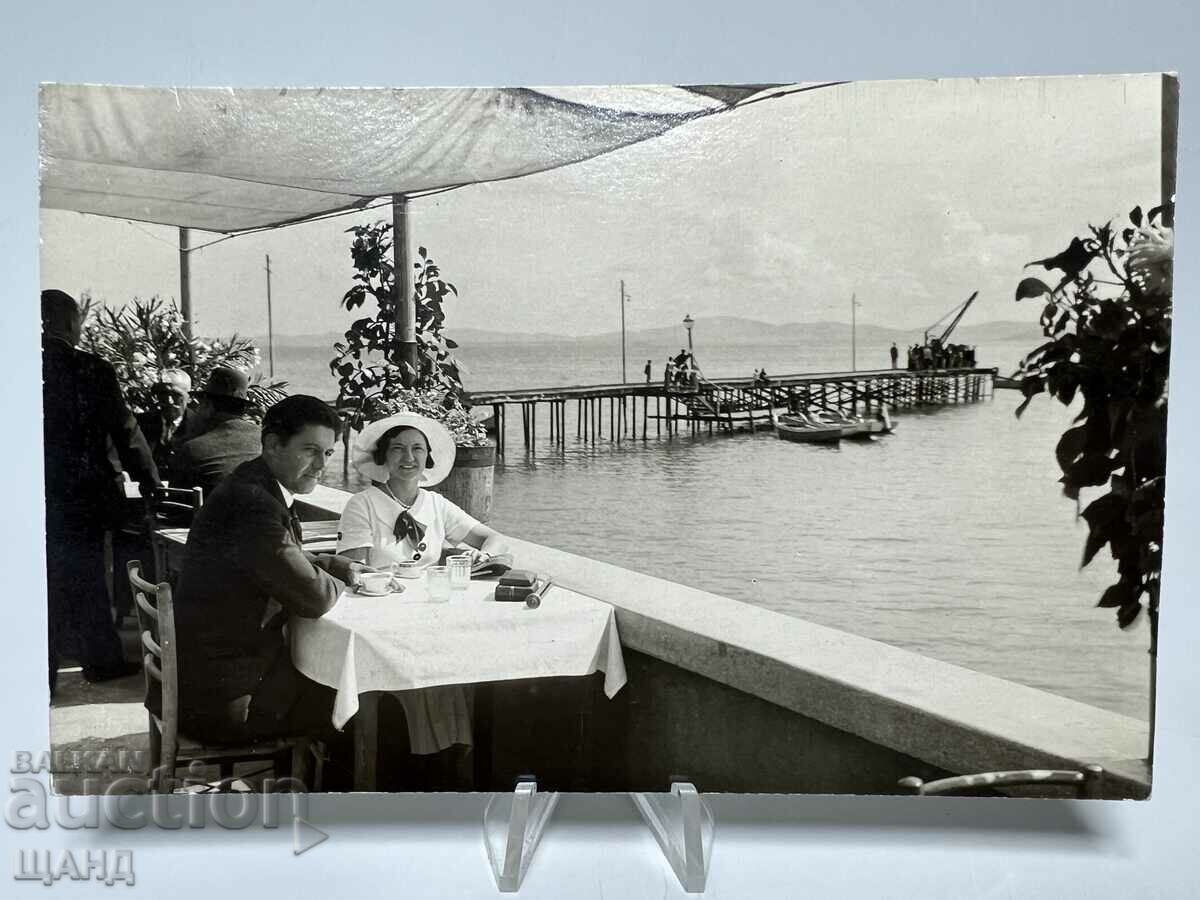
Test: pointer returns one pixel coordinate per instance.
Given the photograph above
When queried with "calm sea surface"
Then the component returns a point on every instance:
(950, 537)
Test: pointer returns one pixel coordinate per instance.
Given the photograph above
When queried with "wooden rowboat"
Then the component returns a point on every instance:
(793, 428)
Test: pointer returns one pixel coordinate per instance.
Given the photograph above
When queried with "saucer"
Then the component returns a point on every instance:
(395, 589)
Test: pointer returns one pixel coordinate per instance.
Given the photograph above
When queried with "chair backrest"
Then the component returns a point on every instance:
(168, 506)
(1088, 782)
(156, 625)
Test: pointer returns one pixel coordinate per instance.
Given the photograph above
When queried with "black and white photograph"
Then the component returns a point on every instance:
(788, 438)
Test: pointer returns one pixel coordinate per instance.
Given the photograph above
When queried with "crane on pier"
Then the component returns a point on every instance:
(958, 312)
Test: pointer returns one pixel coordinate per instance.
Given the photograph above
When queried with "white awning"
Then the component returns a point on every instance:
(228, 160)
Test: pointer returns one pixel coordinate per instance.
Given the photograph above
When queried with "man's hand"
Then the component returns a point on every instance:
(355, 571)
(343, 568)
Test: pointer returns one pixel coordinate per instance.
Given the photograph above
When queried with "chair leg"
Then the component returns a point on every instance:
(226, 768)
(162, 769)
(321, 752)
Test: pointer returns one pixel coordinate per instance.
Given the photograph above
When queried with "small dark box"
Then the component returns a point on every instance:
(516, 586)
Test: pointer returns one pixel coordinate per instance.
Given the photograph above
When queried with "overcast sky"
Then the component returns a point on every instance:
(909, 194)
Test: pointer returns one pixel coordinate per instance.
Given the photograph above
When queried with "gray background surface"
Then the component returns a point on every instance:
(408, 846)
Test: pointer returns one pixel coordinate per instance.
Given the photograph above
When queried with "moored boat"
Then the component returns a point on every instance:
(804, 431)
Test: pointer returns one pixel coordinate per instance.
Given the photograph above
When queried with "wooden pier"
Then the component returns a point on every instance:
(724, 404)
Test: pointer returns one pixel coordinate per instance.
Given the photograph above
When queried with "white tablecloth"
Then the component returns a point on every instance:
(405, 641)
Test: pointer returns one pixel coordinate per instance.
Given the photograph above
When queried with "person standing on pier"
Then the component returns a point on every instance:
(649, 368)
(668, 374)
(895, 352)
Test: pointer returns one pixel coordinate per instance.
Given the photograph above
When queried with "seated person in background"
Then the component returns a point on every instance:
(222, 438)
(396, 519)
(244, 572)
(170, 423)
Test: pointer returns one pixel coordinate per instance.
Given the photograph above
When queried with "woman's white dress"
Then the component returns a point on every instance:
(437, 716)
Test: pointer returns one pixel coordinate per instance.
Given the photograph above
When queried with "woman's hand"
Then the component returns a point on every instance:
(477, 556)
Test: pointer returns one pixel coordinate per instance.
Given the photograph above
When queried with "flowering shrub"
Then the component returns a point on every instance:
(145, 337)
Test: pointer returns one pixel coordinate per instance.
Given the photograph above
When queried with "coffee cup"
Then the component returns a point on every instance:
(408, 569)
(376, 582)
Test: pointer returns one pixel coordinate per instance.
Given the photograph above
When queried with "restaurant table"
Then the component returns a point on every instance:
(368, 645)
(319, 537)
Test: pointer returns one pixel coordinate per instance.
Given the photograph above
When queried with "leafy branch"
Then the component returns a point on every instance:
(1109, 344)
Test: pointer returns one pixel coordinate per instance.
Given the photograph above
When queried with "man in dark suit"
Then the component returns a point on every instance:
(223, 437)
(245, 571)
(84, 415)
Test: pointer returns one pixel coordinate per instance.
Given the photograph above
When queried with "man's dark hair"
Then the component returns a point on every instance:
(59, 311)
(291, 415)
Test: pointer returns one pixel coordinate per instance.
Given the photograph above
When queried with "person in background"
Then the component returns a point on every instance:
(84, 414)
(648, 370)
(223, 438)
(895, 354)
(170, 422)
(668, 374)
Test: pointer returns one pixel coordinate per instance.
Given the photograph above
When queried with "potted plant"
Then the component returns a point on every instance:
(373, 385)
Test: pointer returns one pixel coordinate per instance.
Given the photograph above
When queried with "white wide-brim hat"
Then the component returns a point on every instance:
(441, 447)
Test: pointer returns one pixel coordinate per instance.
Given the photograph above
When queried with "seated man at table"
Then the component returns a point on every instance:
(244, 572)
(170, 422)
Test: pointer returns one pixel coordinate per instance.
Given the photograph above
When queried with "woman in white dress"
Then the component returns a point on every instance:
(396, 519)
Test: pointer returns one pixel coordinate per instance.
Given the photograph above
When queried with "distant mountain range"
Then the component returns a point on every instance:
(730, 329)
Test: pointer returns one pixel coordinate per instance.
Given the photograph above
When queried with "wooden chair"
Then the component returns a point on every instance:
(1088, 783)
(169, 748)
(168, 506)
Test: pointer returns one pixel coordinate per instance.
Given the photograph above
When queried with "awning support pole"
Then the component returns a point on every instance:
(402, 284)
(185, 281)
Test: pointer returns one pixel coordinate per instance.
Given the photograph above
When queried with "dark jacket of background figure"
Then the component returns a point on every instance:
(244, 573)
(84, 414)
(151, 424)
(205, 460)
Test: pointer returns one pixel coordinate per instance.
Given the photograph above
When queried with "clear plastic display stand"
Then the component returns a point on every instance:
(512, 826)
(682, 824)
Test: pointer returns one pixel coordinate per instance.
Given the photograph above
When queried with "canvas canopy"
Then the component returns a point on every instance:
(229, 160)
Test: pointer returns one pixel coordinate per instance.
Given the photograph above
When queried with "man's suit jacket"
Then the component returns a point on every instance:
(152, 426)
(205, 460)
(83, 415)
(244, 572)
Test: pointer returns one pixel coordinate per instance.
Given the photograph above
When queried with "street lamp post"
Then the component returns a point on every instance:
(688, 322)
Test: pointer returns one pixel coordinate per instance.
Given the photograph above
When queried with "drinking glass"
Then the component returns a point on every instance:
(460, 571)
(437, 581)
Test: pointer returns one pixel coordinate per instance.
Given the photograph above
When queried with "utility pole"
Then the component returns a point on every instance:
(270, 327)
(853, 333)
(624, 299)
